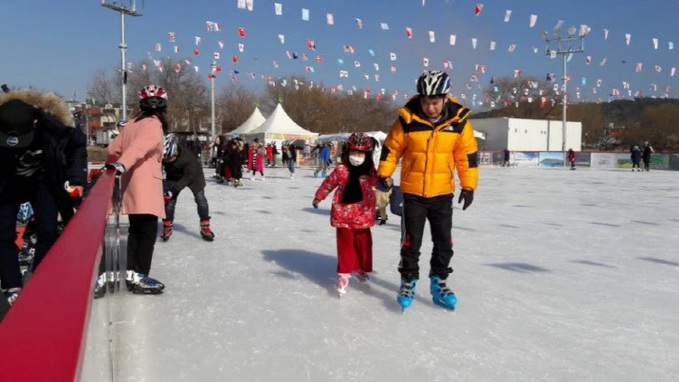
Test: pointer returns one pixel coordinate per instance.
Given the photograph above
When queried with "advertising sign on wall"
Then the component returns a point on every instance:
(604, 160)
(526, 159)
(551, 159)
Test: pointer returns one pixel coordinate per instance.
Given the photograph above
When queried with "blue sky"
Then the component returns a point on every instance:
(57, 45)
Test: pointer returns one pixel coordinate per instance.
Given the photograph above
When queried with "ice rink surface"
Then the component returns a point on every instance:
(561, 276)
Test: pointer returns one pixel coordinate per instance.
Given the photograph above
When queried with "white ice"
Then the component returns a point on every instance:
(561, 276)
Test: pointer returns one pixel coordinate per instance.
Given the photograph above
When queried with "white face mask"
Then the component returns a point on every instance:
(356, 160)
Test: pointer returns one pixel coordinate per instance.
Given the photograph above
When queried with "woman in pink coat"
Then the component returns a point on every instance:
(137, 154)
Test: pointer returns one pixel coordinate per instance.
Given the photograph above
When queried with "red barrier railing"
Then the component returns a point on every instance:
(42, 336)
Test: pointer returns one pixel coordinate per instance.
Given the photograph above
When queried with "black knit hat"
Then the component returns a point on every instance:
(16, 124)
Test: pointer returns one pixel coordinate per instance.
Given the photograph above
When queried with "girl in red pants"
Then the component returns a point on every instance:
(353, 209)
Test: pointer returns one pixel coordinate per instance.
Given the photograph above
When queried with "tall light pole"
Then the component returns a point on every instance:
(213, 68)
(112, 4)
(565, 46)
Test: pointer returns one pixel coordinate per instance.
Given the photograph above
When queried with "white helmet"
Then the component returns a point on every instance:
(170, 146)
(433, 82)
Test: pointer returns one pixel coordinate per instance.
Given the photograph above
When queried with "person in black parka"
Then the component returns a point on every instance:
(43, 159)
(182, 169)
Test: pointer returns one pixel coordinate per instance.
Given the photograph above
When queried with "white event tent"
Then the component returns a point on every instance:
(279, 127)
(254, 121)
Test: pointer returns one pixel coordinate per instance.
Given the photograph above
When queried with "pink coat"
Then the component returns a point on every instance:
(357, 215)
(139, 147)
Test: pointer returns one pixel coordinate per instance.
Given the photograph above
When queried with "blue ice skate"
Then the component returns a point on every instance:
(442, 295)
(406, 293)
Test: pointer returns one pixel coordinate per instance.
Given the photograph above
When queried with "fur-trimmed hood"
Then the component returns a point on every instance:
(49, 102)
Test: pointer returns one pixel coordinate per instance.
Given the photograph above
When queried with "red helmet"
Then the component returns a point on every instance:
(152, 91)
(153, 98)
(360, 142)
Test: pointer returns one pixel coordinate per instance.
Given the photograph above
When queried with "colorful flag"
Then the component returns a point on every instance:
(359, 23)
(176, 49)
(492, 45)
(508, 14)
(241, 47)
(329, 19)
(319, 59)
(655, 43)
(432, 36)
(606, 34)
(196, 52)
(474, 42)
(311, 44)
(281, 38)
(305, 14)
(628, 38)
(409, 32)
(384, 26)
(639, 67)
(278, 8)
(517, 73)
(478, 8)
(171, 36)
(241, 4)
(198, 40)
(588, 60)
(241, 32)
(221, 44)
(453, 38)
(215, 55)
(425, 62)
(393, 69)
(392, 56)
(234, 58)
(603, 62)
(511, 48)
(533, 20)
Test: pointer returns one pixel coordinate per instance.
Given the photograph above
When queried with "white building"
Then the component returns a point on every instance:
(518, 134)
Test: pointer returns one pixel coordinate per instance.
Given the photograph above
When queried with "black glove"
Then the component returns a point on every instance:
(468, 197)
(386, 183)
(119, 167)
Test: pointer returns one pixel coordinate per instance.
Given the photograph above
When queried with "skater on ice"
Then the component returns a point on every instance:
(353, 209)
(136, 155)
(432, 136)
(571, 158)
(182, 169)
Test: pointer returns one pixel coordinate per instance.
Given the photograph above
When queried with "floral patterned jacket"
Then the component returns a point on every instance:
(359, 215)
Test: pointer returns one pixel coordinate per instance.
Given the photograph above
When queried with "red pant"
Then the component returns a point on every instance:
(354, 250)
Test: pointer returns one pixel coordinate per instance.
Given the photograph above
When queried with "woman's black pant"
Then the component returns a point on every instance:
(140, 242)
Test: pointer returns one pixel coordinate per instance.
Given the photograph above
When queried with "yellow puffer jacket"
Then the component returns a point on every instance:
(431, 152)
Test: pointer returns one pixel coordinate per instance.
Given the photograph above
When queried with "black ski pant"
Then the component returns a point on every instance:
(140, 242)
(201, 203)
(647, 162)
(416, 210)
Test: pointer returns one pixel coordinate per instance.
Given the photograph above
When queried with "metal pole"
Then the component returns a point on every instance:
(123, 48)
(565, 105)
(212, 96)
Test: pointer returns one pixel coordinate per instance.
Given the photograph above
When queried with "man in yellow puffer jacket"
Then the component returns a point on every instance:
(432, 137)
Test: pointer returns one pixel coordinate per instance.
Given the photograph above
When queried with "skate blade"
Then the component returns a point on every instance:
(147, 291)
